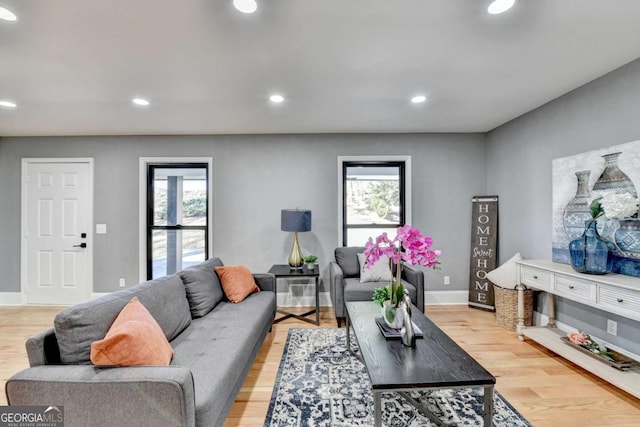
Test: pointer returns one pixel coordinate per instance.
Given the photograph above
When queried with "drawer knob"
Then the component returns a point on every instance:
(620, 300)
(535, 277)
(571, 286)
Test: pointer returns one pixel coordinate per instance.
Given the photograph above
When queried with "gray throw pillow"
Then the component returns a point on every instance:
(203, 287)
(378, 272)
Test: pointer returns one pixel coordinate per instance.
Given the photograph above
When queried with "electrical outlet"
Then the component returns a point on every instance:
(101, 228)
(122, 284)
(447, 280)
(612, 327)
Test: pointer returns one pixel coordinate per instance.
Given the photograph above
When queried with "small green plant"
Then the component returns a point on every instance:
(380, 295)
(310, 259)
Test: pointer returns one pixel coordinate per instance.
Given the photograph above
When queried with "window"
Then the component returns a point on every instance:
(373, 198)
(177, 218)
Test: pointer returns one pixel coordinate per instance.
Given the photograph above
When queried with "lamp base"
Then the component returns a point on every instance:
(295, 258)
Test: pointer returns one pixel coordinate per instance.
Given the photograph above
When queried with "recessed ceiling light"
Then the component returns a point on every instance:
(245, 6)
(500, 6)
(418, 99)
(140, 101)
(8, 104)
(276, 98)
(7, 15)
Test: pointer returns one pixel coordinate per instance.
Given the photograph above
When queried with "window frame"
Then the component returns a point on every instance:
(144, 194)
(374, 161)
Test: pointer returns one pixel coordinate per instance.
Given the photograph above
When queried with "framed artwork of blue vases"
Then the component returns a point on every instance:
(579, 179)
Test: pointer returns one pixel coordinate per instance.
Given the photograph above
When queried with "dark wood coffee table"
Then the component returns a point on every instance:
(436, 362)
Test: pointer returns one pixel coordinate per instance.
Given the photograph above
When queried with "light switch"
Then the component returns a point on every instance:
(101, 228)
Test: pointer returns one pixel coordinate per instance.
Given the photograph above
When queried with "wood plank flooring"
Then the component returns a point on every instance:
(546, 389)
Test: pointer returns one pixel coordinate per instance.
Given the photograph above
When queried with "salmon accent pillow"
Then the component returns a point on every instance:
(134, 339)
(237, 282)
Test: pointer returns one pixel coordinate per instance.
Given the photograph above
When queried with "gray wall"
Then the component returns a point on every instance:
(254, 176)
(602, 113)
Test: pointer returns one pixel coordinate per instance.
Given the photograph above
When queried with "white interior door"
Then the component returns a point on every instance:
(57, 239)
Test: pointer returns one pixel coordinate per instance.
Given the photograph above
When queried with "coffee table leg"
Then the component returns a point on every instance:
(377, 409)
(488, 406)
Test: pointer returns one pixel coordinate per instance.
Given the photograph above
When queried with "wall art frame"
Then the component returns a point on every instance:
(576, 181)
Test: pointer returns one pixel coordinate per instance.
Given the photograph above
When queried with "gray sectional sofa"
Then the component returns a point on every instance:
(214, 341)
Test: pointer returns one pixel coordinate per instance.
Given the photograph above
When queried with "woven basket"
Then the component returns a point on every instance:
(506, 301)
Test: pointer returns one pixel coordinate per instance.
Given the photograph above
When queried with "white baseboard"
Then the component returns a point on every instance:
(446, 297)
(287, 299)
(11, 298)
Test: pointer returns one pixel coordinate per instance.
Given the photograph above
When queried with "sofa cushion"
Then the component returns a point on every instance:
(347, 259)
(378, 272)
(202, 286)
(237, 282)
(78, 326)
(134, 339)
(219, 350)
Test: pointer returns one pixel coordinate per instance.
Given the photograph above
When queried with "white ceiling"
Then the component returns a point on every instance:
(72, 66)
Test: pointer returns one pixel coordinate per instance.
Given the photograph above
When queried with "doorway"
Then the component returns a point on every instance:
(57, 239)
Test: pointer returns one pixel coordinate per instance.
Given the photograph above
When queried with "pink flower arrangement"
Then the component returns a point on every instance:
(580, 338)
(417, 251)
(417, 248)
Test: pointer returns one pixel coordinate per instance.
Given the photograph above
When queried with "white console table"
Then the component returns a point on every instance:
(612, 293)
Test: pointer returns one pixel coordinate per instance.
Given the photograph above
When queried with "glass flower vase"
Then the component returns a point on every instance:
(590, 253)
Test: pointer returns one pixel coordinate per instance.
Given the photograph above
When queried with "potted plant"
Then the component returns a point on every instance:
(311, 261)
(410, 246)
(389, 297)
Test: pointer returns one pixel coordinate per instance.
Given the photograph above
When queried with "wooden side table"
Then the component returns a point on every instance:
(283, 271)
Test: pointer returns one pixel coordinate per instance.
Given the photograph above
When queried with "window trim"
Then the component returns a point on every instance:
(373, 159)
(144, 163)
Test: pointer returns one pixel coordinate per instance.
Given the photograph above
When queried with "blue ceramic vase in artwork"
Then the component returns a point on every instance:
(590, 253)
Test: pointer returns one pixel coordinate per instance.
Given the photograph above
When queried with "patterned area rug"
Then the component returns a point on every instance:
(321, 384)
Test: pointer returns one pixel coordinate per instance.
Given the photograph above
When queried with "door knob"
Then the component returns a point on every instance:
(81, 245)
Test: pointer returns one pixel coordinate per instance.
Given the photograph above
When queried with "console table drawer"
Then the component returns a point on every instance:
(574, 288)
(535, 278)
(619, 298)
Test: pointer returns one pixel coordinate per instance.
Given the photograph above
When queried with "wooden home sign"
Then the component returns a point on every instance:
(484, 250)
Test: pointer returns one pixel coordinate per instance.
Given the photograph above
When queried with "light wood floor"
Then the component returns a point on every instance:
(546, 389)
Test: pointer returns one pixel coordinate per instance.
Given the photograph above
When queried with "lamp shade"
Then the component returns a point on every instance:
(295, 220)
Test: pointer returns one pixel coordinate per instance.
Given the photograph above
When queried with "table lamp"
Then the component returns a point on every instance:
(296, 220)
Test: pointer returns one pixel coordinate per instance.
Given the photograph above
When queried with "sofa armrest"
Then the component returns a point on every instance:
(336, 288)
(265, 281)
(91, 396)
(42, 349)
(416, 278)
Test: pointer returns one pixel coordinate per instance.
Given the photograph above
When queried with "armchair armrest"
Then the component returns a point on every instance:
(416, 278)
(161, 396)
(336, 288)
(265, 281)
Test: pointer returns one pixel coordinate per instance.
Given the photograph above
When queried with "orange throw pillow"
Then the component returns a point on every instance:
(134, 339)
(237, 282)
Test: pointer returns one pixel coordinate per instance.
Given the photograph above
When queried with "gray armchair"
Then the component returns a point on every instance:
(344, 282)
